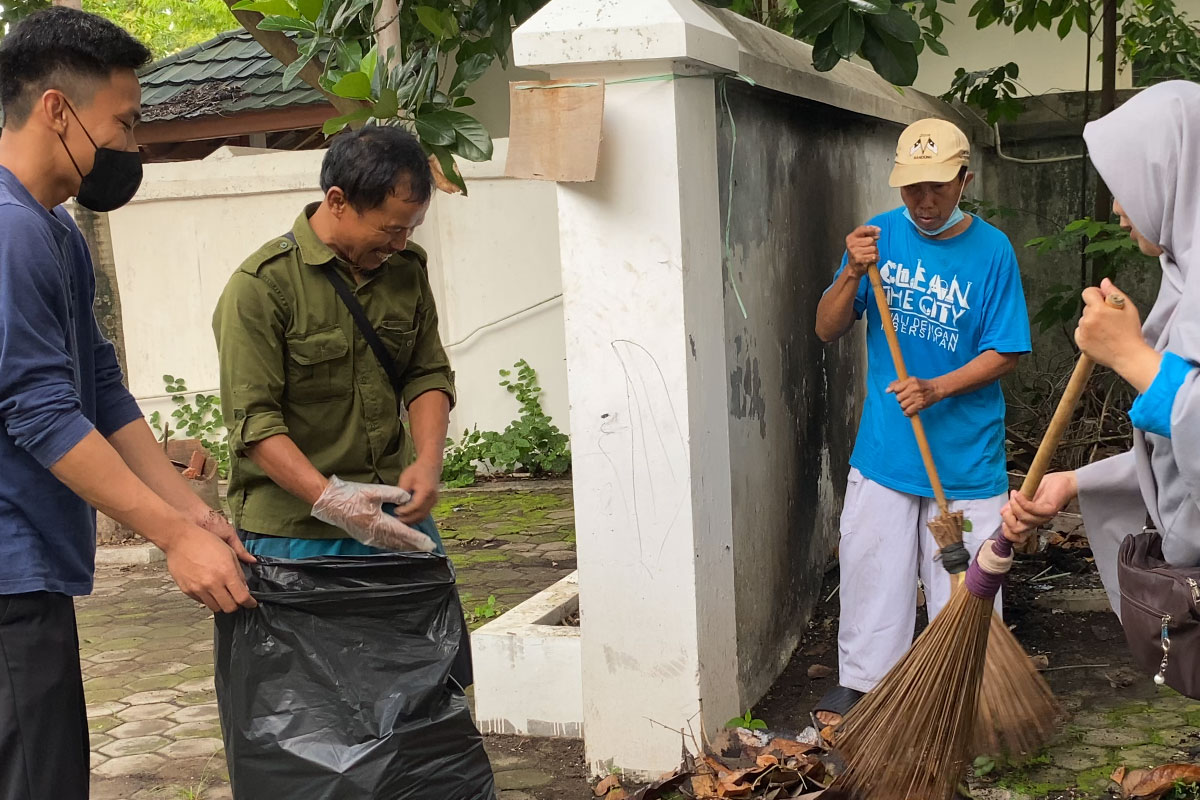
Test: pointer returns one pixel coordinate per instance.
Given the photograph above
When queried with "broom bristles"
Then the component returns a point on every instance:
(1017, 711)
(911, 737)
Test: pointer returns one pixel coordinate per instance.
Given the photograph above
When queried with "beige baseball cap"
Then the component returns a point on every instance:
(932, 150)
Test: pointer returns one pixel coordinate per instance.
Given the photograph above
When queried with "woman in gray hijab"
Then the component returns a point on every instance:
(1148, 152)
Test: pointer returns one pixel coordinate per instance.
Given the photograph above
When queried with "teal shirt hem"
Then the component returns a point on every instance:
(271, 546)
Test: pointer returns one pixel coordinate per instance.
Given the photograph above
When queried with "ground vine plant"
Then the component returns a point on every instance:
(531, 444)
(199, 418)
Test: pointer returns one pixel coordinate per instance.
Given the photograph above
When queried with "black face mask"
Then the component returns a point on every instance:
(114, 179)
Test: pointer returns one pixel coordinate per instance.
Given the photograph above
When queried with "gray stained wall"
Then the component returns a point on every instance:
(804, 175)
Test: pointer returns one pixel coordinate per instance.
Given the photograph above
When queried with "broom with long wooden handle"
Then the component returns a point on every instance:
(910, 738)
(1017, 710)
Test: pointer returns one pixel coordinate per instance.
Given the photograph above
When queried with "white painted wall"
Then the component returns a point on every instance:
(1047, 63)
(193, 223)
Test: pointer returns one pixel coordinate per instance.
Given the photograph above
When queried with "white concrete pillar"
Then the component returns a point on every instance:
(642, 279)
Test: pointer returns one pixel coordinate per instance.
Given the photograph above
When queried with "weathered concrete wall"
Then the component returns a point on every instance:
(804, 175)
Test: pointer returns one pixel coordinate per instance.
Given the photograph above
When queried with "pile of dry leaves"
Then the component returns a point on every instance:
(740, 765)
(1153, 784)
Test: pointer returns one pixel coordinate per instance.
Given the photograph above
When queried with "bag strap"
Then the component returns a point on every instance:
(364, 327)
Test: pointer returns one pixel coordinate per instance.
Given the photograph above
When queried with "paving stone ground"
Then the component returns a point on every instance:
(147, 658)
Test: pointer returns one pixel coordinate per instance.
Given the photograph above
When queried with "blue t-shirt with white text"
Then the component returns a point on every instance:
(951, 300)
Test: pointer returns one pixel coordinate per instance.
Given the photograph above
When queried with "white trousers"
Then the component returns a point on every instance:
(885, 547)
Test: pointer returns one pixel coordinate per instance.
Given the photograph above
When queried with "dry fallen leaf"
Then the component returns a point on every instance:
(443, 183)
(818, 671)
(704, 787)
(1118, 775)
(1131, 780)
(617, 794)
(787, 747)
(1163, 779)
(1041, 662)
(604, 786)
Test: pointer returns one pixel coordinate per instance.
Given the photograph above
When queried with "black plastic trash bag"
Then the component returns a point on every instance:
(338, 686)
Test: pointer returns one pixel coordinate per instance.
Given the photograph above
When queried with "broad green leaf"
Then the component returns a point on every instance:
(469, 149)
(310, 9)
(449, 23)
(818, 17)
(448, 166)
(468, 72)
(431, 19)
(894, 60)
(825, 55)
(1045, 17)
(465, 134)
(388, 105)
(355, 85)
(899, 24)
(293, 69)
(936, 46)
(369, 62)
(1064, 25)
(879, 7)
(435, 130)
(463, 102)
(848, 33)
(267, 7)
(718, 3)
(334, 125)
(286, 24)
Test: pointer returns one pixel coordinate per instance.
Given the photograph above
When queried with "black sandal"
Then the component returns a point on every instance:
(838, 700)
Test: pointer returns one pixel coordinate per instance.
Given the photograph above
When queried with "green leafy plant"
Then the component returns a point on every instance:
(199, 419)
(532, 443)
(992, 90)
(489, 610)
(1160, 43)
(1104, 244)
(888, 34)
(984, 765)
(446, 45)
(748, 722)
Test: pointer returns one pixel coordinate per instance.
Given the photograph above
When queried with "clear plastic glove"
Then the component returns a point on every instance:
(357, 508)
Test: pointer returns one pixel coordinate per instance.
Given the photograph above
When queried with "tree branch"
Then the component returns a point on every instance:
(284, 49)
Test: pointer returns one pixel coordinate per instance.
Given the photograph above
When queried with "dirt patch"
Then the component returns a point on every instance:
(561, 760)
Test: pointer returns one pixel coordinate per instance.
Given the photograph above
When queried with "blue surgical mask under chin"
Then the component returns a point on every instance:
(956, 217)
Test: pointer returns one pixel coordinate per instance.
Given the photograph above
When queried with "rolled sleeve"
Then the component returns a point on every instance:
(40, 405)
(429, 368)
(1151, 411)
(249, 324)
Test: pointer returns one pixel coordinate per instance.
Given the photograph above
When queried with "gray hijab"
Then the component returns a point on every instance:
(1148, 152)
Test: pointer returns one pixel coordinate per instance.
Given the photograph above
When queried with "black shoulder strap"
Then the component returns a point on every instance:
(364, 327)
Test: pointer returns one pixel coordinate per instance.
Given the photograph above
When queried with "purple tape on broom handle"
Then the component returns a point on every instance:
(982, 582)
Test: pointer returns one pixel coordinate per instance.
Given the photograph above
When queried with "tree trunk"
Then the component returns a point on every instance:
(76, 4)
(98, 234)
(387, 32)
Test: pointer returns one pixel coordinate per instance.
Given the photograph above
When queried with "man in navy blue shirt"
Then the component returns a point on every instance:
(71, 436)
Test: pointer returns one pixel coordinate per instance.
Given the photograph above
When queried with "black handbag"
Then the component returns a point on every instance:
(1160, 612)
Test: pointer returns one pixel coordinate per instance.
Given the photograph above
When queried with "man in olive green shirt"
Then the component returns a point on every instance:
(316, 441)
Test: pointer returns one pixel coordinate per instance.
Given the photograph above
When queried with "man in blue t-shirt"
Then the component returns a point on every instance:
(71, 436)
(955, 296)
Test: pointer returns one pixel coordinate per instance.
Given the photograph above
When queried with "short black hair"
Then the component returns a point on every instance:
(61, 48)
(369, 164)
